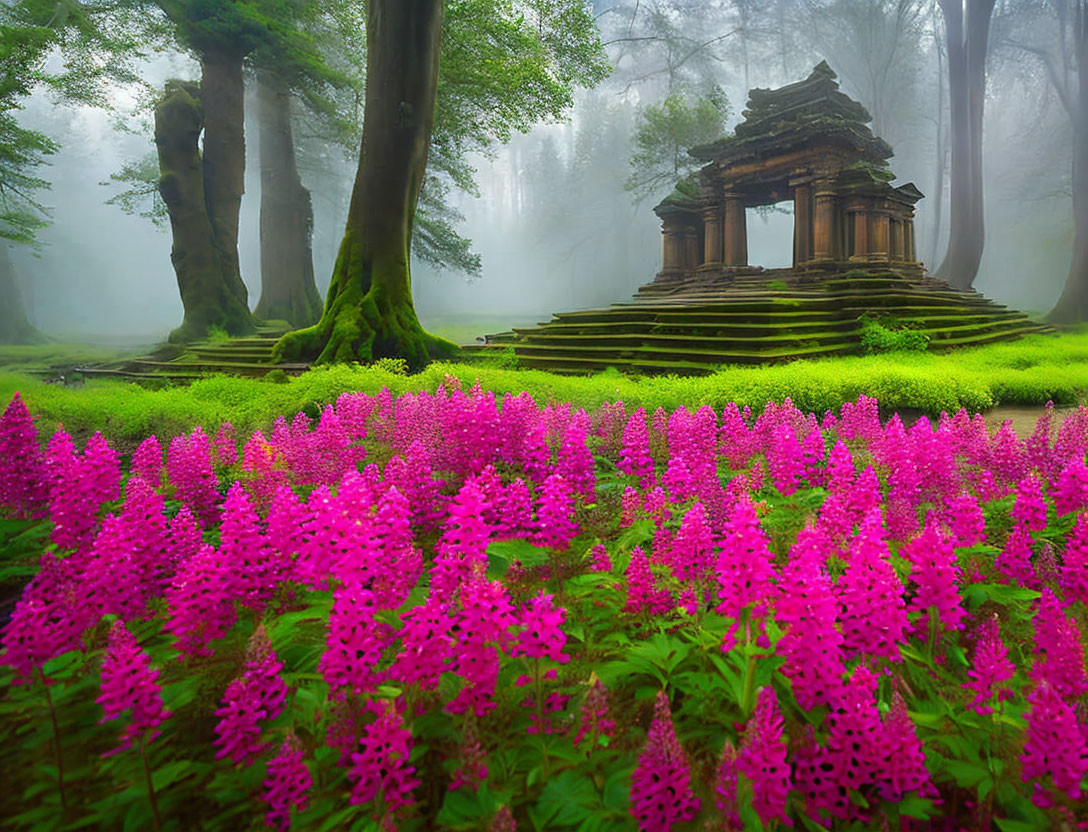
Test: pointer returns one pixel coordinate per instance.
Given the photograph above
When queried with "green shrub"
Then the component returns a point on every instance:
(888, 334)
(778, 285)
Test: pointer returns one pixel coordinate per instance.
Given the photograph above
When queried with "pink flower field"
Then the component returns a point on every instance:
(447, 611)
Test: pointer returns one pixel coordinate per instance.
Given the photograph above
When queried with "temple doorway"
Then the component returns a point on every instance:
(770, 235)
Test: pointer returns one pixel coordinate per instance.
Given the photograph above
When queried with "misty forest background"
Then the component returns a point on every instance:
(559, 217)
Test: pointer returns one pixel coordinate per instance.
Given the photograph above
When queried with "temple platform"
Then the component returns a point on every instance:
(757, 316)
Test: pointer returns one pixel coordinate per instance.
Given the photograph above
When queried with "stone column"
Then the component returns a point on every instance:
(802, 224)
(878, 245)
(911, 255)
(895, 247)
(712, 239)
(691, 248)
(736, 231)
(823, 225)
(861, 235)
(672, 247)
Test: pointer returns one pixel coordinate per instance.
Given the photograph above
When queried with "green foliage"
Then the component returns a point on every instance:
(140, 196)
(777, 286)
(1030, 371)
(887, 334)
(664, 133)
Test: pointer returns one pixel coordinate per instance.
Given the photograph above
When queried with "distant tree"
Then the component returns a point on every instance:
(90, 55)
(967, 33)
(505, 65)
(663, 134)
(1054, 33)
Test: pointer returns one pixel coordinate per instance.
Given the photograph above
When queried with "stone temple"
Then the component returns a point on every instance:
(853, 255)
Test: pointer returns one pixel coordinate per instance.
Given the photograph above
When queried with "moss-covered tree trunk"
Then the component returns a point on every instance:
(14, 326)
(208, 295)
(288, 291)
(369, 311)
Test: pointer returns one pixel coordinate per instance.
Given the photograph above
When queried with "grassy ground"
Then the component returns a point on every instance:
(1027, 372)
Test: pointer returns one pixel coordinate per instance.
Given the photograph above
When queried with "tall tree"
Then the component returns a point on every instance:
(90, 55)
(288, 290)
(369, 311)
(967, 34)
(1059, 42)
(504, 65)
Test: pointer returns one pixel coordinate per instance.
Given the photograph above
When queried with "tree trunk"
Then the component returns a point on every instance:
(206, 294)
(938, 184)
(968, 41)
(369, 311)
(14, 326)
(223, 96)
(288, 291)
(1072, 306)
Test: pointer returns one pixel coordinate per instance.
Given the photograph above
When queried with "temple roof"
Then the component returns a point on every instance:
(802, 114)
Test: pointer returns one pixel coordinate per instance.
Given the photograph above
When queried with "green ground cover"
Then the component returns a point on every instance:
(1026, 372)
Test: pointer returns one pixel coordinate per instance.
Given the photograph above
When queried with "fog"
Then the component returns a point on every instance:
(553, 223)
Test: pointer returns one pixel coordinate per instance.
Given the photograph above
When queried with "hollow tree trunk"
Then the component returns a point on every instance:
(288, 291)
(206, 294)
(14, 326)
(369, 311)
(223, 97)
(968, 41)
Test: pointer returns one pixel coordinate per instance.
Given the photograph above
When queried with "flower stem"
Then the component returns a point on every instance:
(56, 741)
(150, 787)
(749, 671)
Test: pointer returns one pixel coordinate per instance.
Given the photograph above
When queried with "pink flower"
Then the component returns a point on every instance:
(807, 610)
(381, 768)
(785, 460)
(726, 788)
(462, 551)
(354, 642)
(991, 670)
(200, 608)
(1071, 493)
(1030, 507)
(596, 721)
(254, 697)
(147, 462)
(555, 514)
(471, 768)
(1014, 560)
(1055, 745)
(189, 469)
(575, 463)
(642, 591)
(484, 624)
(226, 451)
(287, 785)
(762, 759)
(47, 621)
(129, 686)
(873, 615)
(745, 566)
(1074, 570)
(503, 821)
(425, 644)
(692, 554)
(72, 504)
(635, 458)
(542, 636)
(661, 794)
(1058, 648)
(905, 761)
(601, 561)
(934, 573)
(250, 566)
(24, 489)
(966, 520)
(840, 473)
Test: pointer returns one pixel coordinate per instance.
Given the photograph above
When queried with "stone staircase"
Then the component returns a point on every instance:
(249, 356)
(755, 317)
